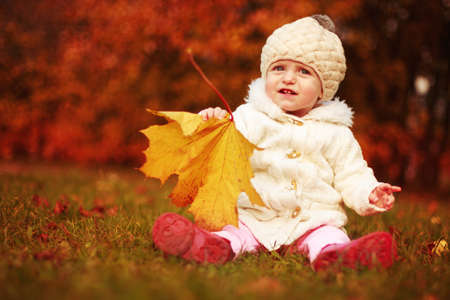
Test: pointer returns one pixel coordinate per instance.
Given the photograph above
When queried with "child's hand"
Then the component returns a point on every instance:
(210, 113)
(382, 196)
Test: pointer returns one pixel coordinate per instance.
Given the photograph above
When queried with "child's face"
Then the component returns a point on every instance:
(293, 86)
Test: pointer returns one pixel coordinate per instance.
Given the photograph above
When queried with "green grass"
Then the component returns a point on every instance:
(111, 255)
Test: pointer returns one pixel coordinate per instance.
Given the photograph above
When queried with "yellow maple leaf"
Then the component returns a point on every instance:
(211, 159)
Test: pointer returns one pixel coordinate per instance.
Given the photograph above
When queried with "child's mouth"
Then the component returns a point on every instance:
(287, 92)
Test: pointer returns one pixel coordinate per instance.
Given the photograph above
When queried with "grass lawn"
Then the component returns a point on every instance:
(93, 241)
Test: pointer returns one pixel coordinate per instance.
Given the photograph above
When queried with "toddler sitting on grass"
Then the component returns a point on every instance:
(307, 165)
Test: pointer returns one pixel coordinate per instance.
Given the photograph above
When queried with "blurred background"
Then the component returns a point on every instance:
(77, 75)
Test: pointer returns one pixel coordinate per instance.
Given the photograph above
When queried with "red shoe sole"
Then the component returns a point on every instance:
(176, 235)
(371, 250)
(173, 234)
(209, 248)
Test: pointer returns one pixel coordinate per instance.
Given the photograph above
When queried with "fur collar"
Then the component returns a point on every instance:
(331, 111)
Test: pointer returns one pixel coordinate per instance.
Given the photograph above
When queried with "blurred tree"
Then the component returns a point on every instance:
(398, 58)
(77, 75)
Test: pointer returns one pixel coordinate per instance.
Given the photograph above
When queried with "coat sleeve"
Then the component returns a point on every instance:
(240, 120)
(245, 119)
(352, 177)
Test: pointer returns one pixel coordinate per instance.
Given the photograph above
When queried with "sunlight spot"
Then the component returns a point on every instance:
(422, 85)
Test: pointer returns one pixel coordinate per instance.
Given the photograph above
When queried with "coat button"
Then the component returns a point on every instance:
(296, 211)
(293, 154)
(298, 123)
(293, 186)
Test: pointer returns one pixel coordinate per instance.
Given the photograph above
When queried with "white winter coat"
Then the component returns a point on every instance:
(306, 169)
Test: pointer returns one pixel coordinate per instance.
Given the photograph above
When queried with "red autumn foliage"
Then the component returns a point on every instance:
(77, 76)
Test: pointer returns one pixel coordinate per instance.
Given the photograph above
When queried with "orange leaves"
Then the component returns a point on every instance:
(211, 159)
(111, 58)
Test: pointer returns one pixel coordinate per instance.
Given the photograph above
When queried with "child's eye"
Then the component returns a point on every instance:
(278, 68)
(305, 71)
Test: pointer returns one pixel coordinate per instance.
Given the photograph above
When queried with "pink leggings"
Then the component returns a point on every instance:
(242, 240)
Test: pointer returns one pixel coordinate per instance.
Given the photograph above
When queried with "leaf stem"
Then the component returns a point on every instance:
(211, 85)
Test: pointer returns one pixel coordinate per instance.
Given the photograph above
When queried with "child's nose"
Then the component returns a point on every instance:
(289, 77)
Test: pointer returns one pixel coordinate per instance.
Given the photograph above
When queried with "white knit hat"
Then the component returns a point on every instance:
(306, 41)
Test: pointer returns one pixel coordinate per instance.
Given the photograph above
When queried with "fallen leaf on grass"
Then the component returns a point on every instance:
(112, 211)
(141, 189)
(432, 207)
(98, 211)
(39, 201)
(61, 206)
(84, 212)
(211, 159)
(43, 237)
(47, 254)
(56, 254)
(52, 226)
(103, 210)
(440, 247)
(435, 220)
(437, 248)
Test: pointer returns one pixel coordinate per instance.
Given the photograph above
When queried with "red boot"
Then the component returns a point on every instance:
(374, 249)
(176, 235)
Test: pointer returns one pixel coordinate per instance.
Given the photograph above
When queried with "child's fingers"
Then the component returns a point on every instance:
(382, 196)
(223, 114)
(210, 113)
(390, 200)
(386, 187)
(218, 113)
(396, 188)
(389, 206)
(205, 113)
(372, 198)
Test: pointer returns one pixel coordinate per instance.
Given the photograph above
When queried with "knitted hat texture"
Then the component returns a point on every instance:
(306, 41)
